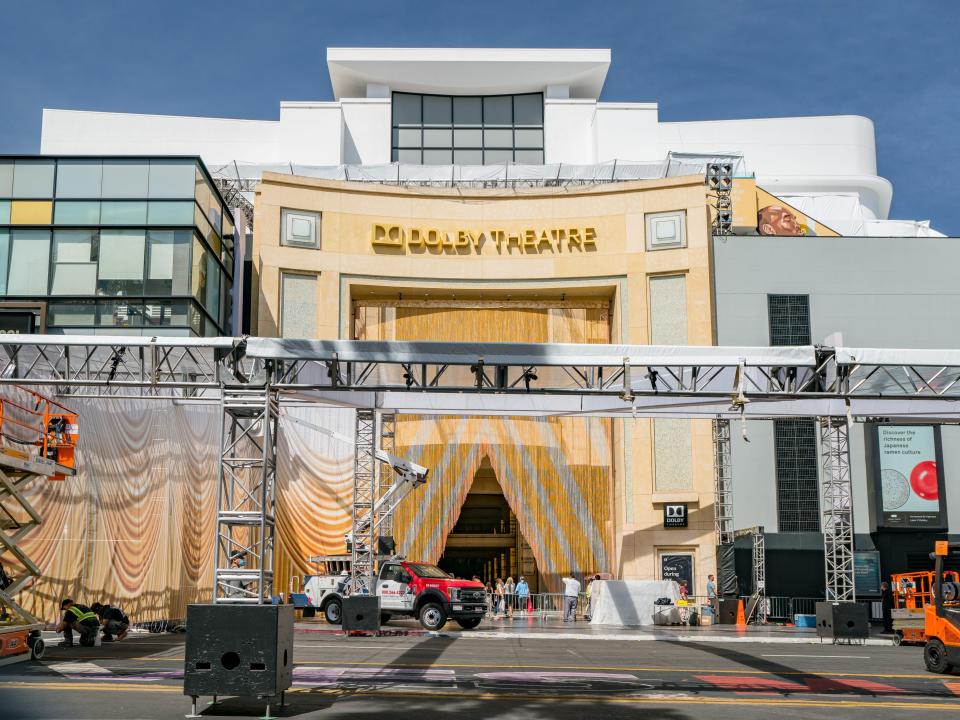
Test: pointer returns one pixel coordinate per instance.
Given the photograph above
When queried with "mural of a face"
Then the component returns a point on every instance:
(777, 220)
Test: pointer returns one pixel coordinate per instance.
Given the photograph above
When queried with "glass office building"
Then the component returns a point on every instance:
(116, 245)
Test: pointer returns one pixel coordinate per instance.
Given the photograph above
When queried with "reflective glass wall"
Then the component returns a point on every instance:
(140, 245)
(467, 130)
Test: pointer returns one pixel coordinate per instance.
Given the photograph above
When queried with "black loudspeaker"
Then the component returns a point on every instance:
(238, 650)
(361, 612)
(386, 545)
(842, 621)
(728, 611)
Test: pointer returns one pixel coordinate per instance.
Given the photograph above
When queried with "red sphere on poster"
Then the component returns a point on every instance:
(923, 480)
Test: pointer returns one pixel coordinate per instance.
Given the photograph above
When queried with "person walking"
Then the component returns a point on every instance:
(571, 592)
(523, 594)
(712, 597)
(114, 621)
(488, 588)
(498, 599)
(886, 605)
(509, 594)
(78, 619)
(588, 616)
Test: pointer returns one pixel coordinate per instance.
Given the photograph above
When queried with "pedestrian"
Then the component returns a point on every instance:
(523, 594)
(590, 595)
(712, 597)
(886, 605)
(684, 591)
(498, 598)
(509, 594)
(489, 592)
(114, 621)
(78, 619)
(5, 582)
(571, 592)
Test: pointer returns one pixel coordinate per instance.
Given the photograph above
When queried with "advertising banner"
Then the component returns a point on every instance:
(758, 212)
(866, 572)
(677, 567)
(908, 477)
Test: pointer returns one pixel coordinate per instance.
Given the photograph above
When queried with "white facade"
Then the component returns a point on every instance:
(831, 155)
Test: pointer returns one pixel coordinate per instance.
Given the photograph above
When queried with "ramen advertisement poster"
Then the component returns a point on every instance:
(911, 491)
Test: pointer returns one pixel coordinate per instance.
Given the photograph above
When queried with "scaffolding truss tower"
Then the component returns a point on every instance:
(362, 550)
(837, 509)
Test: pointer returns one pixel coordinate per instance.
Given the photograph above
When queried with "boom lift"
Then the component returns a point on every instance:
(941, 654)
(38, 437)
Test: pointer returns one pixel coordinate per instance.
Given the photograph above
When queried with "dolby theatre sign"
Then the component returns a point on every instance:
(510, 241)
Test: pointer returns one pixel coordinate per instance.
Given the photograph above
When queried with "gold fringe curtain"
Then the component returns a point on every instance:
(556, 474)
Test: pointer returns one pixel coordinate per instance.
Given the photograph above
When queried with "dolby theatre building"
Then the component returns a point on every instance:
(488, 195)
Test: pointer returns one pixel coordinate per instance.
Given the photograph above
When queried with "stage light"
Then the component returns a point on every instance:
(529, 374)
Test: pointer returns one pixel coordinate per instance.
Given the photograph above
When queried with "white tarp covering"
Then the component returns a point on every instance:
(628, 602)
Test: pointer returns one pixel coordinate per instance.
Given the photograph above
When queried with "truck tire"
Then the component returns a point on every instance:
(37, 647)
(384, 618)
(469, 623)
(333, 611)
(898, 638)
(935, 657)
(433, 616)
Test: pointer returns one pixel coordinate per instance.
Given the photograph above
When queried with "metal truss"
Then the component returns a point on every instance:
(246, 493)
(837, 509)
(759, 556)
(385, 479)
(722, 483)
(363, 532)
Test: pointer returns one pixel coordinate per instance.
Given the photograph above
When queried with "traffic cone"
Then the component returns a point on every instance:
(741, 617)
(529, 605)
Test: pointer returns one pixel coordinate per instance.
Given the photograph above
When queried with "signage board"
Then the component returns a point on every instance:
(17, 322)
(675, 515)
(866, 572)
(677, 567)
(907, 477)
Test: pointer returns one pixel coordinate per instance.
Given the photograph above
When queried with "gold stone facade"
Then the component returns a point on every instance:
(537, 265)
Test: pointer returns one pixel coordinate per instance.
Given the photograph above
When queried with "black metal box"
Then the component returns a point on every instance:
(361, 612)
(238, 650)
(842, 621)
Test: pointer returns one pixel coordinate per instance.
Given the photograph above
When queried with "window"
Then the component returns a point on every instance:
(79, 178)
(439, 130)
(795, 447)
(298, 305)
(172, 178)
(125, 178)
(168, 262)
(72, 313)
(666, 230)
(33, 179)
(123, 212)
(789, 318)
(4, 212)
(74, 262)
(170, 213)
(121, 262)
(300, 228)
(29, 262)
(4, 256)
(76, 212)
(30, 212)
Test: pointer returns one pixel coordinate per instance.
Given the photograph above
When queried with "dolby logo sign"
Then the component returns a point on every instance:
(675, 515)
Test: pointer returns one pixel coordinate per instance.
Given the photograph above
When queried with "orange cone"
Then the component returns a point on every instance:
(741, 617)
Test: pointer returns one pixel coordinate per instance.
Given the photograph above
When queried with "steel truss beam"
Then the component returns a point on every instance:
(759, 556)
(363, 532)
(385, 479)
(722, 483)
(246, 493)
(837, 509)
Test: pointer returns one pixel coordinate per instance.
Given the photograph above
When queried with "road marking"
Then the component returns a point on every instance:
(513, 697)
(79, 669)
(842, 657)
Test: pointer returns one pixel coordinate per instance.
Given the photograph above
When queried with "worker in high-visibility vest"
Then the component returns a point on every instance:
(80, 619)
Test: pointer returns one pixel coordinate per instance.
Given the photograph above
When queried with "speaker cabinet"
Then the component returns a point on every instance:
(842, 621)
(728, 611)
(361, 612)
(238, 650)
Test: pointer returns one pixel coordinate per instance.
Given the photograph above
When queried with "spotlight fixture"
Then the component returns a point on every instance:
(529, 375)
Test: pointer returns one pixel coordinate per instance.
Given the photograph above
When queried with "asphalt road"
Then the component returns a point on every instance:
(517, 677)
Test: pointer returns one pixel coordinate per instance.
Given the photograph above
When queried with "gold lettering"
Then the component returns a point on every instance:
(432, 238)
(574, 237)
(590, 237)
(498, 236)
(530, 241)
(513, 240)
(463, 239)
(476, 241)
(416, 238)
(525, 240)
(389, 235)
(545, 241)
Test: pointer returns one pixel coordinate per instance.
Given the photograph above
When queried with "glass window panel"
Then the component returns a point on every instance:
(498, 138)
(74, 279)
(76, 212)
(406, 137)
(406, 109)
(33, 179)
(497, 110)
(119, 313)
(164, 313)
(125, 178)
(298, 305)
(468, 138)
(6, 178)
(29, 262)
(530, 157)
(4, 212)
(206, 230)
(4, 255)
(409, 156)
(30, 212)
(198, 274)
(79, 178)
(437, 110)
(73, 313)
(437, 138)
(497, 157)
(467, 111)
(468, 157)
(528, 109)
(74, 246)
(212, 299)
(437, 157)
(121, 262)
(170, 213)
(229, 230)
(208, 201)
(196, 318)
(171, 178)
(123, 212)
(527, 138)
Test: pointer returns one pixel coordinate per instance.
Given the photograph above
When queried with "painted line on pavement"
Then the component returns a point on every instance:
(841, 657)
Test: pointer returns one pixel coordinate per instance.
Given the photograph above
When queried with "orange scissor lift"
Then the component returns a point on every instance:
(38, 437)
(912, 592)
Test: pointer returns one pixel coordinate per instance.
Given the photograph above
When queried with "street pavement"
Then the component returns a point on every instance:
(516, 676)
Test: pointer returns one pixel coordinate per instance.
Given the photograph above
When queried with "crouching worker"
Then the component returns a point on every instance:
(80, 619)
(114, 621)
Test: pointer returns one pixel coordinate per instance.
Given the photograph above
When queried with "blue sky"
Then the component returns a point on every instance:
(897, 63)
